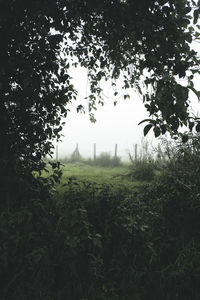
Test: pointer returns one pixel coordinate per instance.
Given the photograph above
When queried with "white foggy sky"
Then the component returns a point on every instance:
(114, 124)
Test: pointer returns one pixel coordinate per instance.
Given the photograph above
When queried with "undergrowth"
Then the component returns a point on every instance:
(99, 241)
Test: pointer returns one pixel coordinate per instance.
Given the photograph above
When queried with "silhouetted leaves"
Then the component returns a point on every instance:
(109, 40)
(147, 128)
(198, 127)
(185, 138)
(156, 131)
(196, 15)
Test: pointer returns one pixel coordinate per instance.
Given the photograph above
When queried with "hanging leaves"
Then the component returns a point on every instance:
(39, 43)
(147, 128)
(196, 15)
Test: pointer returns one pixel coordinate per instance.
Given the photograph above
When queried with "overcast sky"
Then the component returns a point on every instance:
(114, 124)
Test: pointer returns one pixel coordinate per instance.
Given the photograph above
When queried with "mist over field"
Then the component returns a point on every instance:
(115, 124)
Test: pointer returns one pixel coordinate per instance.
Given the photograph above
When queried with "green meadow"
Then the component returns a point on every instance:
(115, 177)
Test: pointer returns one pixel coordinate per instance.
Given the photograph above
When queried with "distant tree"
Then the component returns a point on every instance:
(145, 40)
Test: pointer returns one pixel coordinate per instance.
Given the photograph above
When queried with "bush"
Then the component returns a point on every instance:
(77, 248)
(142, 170)
(27, 241)
(175, 198)
(105, 239)
(102, 242)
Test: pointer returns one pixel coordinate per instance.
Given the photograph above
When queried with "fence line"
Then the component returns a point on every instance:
(138, 152)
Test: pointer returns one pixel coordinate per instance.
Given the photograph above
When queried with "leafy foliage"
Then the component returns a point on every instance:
(142, 170)
(148, 40)
(175, 197)
(105, 242)
(101, 236)
(27, 223)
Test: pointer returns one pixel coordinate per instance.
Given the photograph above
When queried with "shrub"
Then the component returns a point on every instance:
(102, 242)
(175, 197)
(27, 241)
(142, 170)
(75, 248)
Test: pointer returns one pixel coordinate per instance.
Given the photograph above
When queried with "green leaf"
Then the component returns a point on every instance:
(163, 129)
(198, 127)
(126, 96)
(156, 131)
(187, 10)
(80, 108)
(147, 120)
(147, 128)
(191, 125)
(196, 16)
(185, 138)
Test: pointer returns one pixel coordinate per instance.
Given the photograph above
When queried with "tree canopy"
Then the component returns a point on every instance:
(148, 42)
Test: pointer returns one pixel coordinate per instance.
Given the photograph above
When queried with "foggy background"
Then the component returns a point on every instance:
(114, 124)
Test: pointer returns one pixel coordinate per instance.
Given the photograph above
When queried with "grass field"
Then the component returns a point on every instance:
(98, 175)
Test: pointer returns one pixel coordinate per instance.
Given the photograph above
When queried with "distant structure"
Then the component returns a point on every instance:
(95, 152)
(76, 153)
(115, 151)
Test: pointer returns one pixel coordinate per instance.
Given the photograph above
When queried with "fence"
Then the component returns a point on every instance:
(141, 151)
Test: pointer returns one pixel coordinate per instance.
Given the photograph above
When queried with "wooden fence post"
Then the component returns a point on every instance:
(115, 150)
(136, 154)
(94, 151)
